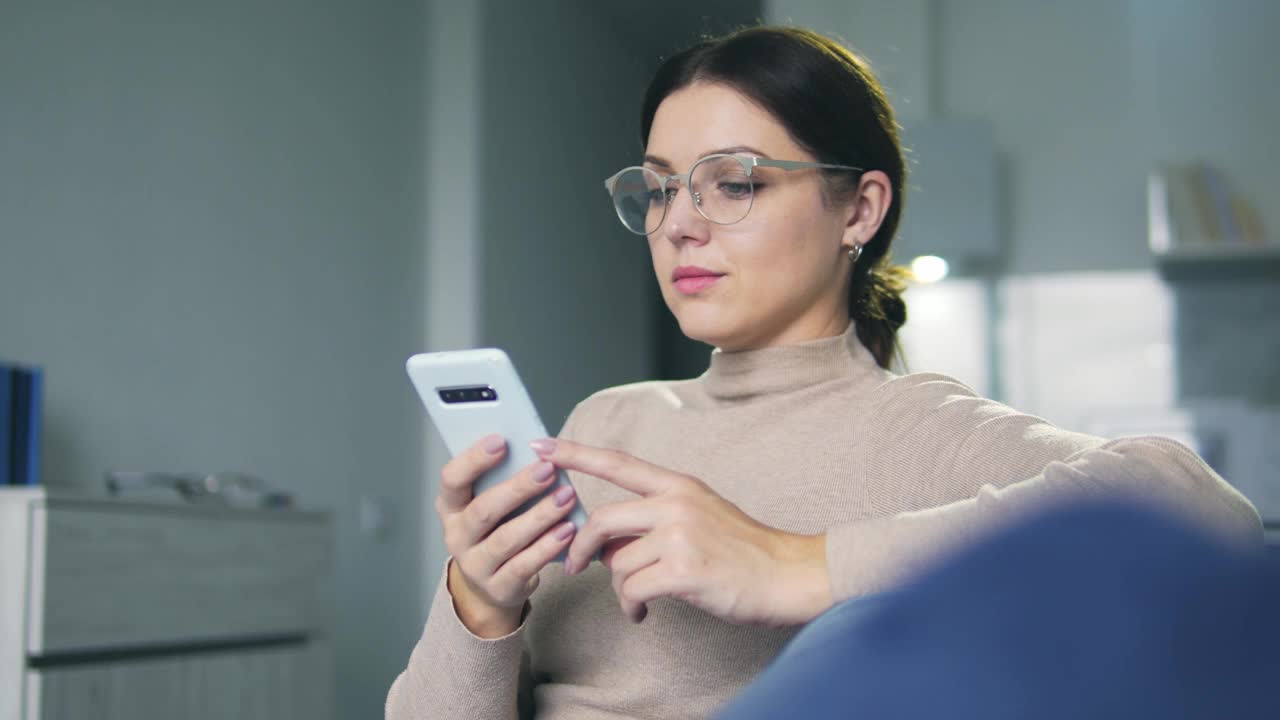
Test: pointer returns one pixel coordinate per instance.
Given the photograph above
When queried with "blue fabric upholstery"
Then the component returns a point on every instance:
(1098, 611)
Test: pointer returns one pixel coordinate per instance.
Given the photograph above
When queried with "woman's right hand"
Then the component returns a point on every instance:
(495, 565)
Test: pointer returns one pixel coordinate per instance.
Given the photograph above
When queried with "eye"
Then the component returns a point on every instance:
(736, 190)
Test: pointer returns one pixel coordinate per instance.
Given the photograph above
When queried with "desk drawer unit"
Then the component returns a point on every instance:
(141, 610)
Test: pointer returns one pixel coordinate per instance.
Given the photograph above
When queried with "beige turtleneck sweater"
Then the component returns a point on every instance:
(810, 438)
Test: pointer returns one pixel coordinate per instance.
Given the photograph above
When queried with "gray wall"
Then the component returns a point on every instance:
(210, 221)
(535, 107)
(452, 263)
(567, 288)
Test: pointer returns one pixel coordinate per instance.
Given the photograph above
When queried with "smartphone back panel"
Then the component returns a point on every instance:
(453, 387)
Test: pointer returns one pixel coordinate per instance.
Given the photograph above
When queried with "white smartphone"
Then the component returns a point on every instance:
(473, 393)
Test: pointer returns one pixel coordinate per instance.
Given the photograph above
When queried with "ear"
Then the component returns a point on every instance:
(867, 208)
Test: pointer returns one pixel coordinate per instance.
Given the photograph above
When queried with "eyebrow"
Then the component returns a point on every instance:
(735, 150)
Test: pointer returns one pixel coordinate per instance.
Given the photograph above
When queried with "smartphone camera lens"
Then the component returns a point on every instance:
(480, 393)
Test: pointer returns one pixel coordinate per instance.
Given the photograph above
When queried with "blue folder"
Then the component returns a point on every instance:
(21, 413)
(21, 424)
(6, 424)
(35, 422)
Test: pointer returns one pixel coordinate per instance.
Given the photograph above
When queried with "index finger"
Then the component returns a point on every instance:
(626, 471)
(631, 518)
(460, 473)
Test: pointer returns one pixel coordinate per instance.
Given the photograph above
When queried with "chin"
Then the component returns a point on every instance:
(711, 328)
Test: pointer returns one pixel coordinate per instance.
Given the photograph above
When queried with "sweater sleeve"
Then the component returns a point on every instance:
(452, 673)
(931, 432)
(455, 674)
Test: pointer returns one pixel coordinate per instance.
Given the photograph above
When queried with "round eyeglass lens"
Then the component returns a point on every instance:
(639, 199)
(722, 185)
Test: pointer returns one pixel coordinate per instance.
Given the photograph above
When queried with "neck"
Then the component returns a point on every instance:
(746, 374)
(825, 326)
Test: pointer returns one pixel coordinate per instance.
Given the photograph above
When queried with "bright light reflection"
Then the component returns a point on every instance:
(929, 268)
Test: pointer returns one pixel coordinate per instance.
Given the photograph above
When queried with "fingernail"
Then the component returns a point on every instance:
(494, 444)
(563, 496)
(542, 472)
(545, 446)
(564, 531)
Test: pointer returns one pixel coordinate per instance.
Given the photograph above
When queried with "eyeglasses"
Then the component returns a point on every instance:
(721, 186)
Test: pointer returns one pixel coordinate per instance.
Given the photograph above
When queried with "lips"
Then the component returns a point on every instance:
(690, 279)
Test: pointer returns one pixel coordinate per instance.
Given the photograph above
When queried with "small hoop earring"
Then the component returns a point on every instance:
(855, 252)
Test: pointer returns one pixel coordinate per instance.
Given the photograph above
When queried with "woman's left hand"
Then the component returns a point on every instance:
(680, 539)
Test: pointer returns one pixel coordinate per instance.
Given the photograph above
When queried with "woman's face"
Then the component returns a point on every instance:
(780, 275)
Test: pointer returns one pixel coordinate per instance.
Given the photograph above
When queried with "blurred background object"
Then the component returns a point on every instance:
(140, 609)
(223, 227)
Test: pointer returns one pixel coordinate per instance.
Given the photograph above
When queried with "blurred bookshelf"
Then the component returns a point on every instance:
(1200, 227)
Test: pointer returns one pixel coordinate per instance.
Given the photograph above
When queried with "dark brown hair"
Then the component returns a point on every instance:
(832, 105)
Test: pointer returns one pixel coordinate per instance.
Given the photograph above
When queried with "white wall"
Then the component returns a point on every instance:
(1084, 98)
(1077, 351)
(210, 221)
(948, 332)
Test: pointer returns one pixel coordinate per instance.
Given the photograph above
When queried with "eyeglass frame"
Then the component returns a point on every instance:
(749, 164)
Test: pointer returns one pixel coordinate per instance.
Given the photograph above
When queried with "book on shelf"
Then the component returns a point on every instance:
(1195, 206)
(21, 423)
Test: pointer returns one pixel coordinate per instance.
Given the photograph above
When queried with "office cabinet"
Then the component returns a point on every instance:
(129, 609)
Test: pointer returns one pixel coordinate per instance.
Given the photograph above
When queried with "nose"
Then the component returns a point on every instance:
(684, 222)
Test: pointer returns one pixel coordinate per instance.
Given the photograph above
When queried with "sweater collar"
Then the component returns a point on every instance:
(786, 368)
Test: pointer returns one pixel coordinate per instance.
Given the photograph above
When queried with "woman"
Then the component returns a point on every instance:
(796, 473)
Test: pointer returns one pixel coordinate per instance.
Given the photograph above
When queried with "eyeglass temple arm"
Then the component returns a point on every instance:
(800, 165)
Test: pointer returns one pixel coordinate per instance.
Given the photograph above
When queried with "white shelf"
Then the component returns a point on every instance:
(1216, 261)
(1220, 251)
